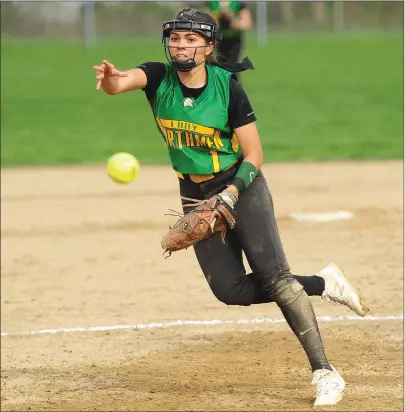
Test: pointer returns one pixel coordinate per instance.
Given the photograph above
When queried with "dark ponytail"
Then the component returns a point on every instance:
(245, 64)
(216, 59)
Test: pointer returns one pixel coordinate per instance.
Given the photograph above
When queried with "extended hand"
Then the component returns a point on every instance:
(105, 70)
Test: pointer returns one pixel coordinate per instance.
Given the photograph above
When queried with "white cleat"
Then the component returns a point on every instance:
(339, 290)
(329, 387)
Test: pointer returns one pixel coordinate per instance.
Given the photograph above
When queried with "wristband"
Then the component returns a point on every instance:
(244, 177)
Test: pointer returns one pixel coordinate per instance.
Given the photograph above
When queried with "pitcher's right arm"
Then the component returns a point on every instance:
(113, 81)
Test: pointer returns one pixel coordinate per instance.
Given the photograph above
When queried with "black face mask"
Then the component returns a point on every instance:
(199, 22)
(186, 22)
(181, 65)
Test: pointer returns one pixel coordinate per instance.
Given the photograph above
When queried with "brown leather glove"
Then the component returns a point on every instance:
(207, 218)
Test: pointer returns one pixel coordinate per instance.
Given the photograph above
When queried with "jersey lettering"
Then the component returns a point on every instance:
(178, 135)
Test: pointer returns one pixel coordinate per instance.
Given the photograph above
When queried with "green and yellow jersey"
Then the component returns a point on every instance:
(196, 131)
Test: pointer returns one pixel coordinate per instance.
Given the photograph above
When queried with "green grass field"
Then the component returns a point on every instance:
(317, 97)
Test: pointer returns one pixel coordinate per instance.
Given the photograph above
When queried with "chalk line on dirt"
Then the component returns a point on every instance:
(323, 216)
(179, 322)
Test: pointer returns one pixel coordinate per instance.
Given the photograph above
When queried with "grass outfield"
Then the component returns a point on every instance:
(317, 97)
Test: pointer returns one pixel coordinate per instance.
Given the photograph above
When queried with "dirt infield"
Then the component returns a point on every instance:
(78, 250)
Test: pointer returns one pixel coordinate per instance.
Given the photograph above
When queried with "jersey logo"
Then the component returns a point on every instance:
(188, 102)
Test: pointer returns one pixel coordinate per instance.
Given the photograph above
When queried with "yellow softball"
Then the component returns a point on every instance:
(123, 168)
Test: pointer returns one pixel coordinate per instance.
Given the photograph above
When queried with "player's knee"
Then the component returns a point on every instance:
(235, 301)
(285, 290)
(234, 298)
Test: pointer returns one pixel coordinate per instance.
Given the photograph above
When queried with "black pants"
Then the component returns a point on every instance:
(256, 234)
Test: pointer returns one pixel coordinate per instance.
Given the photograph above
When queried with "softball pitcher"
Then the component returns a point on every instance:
(206, 120)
